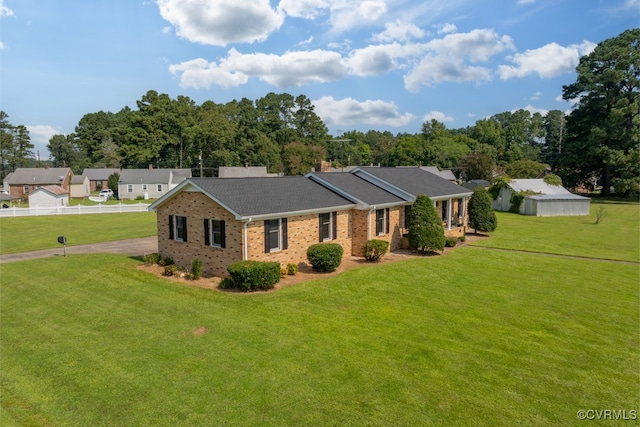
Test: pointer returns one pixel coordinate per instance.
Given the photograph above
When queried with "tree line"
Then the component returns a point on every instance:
(597, 141)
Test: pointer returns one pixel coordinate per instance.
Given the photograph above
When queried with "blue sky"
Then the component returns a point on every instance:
(373, 64)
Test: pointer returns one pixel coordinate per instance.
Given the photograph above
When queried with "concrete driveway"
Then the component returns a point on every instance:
(134, 247)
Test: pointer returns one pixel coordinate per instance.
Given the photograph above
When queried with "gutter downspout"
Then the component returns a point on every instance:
(245, 249)
(371, 209)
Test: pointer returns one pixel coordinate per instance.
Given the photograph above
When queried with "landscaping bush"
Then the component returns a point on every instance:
(450, 242)
(196, 268)
(425, 226)
(292, 269)
(284, 272)
(481, 214)
(254, 275)
(166, 261)
(462, 238)
(170, 270)
(325, 257)
(374, 249)
(151, 259)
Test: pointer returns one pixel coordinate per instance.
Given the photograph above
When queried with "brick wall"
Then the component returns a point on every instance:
(302, 232)
(196, 207)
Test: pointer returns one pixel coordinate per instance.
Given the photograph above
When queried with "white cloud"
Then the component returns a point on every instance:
(307, 9)
(223, 21)
(199, 73)
(533, 110)
(289, 69)
(399, 31)
(477, 45)
(432, 70)
(4, 10)
(426, 64)
(40, 136)
(522, 2)
(548, 61)
(348, 14)
(536, 96)
(349, 111)
(447, 28)
(437, 115)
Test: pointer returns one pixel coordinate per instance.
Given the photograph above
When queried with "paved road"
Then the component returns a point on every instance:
(141, 246)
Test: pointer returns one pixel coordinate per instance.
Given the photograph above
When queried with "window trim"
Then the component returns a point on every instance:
(129, 188)
(332, 226)
(382, 222)
(159, 188)
(210, 233)
(281, 229)
(173, 228)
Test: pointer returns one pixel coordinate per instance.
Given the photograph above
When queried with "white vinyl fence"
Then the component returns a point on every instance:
(73, 210)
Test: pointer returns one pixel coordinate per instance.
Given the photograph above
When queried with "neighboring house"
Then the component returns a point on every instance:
(244, 172)
(99, 177)
(444, 173)
(542, 199)
(476, 183)
(24, 180)
(222, 220)
(149, 183)
(79, 187)
(48, 196)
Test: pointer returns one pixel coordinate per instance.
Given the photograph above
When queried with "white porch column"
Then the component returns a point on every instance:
(463, 209)
(449, 214)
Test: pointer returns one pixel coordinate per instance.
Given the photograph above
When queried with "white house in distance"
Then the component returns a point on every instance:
(149, 183)
(48, 196)
(542, 199)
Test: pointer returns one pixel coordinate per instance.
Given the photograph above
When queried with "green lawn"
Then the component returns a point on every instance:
(22, 234)
(616, 237)
(476, 337)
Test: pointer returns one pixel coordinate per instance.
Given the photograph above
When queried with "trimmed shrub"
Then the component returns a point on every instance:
(283, 272)
(462, 238)
(481, 214)
(375, 249)
(226, 283)
(425, 226)
(325, 257)
(196, 268)
(251, 276)
(450, 242)
(292, 269)
(151, 259)
(166, 261)
(170, 270)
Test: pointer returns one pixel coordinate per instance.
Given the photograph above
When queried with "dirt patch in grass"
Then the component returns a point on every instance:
(305, 272)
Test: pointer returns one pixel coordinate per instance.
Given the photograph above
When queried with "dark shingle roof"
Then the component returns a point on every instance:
(414, 181)
(153, 176)
(37, 176)
(247, 197)
(358, 188)
(99, 174)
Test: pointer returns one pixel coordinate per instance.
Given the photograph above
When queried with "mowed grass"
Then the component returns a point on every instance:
(23, 234)
(617, 237)
(473, 338)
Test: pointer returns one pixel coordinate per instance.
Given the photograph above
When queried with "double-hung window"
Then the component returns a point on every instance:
(214, 233)
(382, 221)
(129, 188)
(275, 235)
(328, 226)
(178, 228)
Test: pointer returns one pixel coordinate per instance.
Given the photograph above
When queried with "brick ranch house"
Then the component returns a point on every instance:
(223, 220)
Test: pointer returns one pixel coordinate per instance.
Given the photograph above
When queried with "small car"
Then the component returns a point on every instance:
(106, 193)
